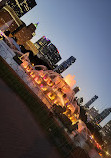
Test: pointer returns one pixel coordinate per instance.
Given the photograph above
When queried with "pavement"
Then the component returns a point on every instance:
(20, 135)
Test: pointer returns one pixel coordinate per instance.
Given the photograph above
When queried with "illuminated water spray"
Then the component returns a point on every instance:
(70, 80)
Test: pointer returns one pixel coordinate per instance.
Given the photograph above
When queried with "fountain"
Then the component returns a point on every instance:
(53, 86)
(55, 89)
(70, 80)
(52, 80)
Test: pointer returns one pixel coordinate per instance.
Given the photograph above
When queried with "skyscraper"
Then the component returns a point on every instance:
(106, 130)
(62, 67)
(47, 51)
(21, 6)
(91, 101)
(42, 42)
(51, 53)
(92, 113)
(106, 134)
(100, 117)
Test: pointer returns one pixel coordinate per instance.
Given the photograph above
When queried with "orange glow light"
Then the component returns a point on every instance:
(32, 74)
(38, 80)
(70, 80)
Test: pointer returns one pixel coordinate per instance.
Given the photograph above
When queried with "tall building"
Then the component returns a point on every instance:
(106, 130)
(100, 117)
(51, 53)
(92, 113)
(91, 101)
(62, 67)
(8, 15)
(21, 6)
(25, 34)
(76, 89)
(47, 51)
(42, 42)
(106, 134)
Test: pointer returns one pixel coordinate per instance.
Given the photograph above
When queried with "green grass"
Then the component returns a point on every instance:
(37, 107)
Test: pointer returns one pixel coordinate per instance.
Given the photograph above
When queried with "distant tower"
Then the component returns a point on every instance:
(76, 89)
(100, 117)
(51, 53)
(106, 133)
(91, 101)
(106, 129)
(92, 113)
(62, 67)
(42, 42)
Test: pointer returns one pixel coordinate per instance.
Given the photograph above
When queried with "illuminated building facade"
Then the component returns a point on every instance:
(42, 42)
(106, 130)
(106, 134)
(91, 101)
(51, 53)
(30, 46)
(25, 34)
(100, 117)
(7, 15)
(21, 6)
(47, 51)
(62, 67)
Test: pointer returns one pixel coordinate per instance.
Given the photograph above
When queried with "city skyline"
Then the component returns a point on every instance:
(33, 57)
(81, 29)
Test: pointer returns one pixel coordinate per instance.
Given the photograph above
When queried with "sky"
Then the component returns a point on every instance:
(81, 29)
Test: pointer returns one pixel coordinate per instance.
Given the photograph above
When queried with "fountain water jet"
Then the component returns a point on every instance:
(52, 84)
(70, 80)
(54, 87)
